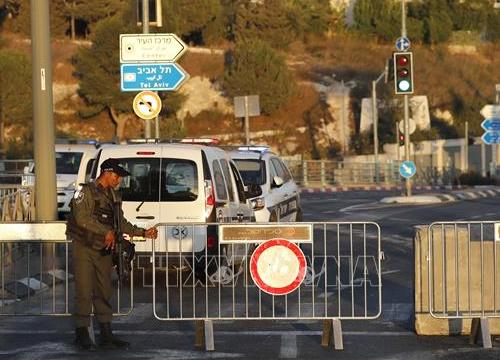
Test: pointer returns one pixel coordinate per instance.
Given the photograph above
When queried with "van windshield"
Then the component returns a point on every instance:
(252, 171)
(67, 163)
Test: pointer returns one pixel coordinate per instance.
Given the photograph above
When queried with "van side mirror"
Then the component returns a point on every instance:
(277, 181)
(253, 190)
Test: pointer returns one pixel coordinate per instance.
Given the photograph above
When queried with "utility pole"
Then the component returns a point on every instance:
(466, 146)
(344, 132)
(43, 117)
(145, 30)
(375, 123)
(406, 103)
(247, 123)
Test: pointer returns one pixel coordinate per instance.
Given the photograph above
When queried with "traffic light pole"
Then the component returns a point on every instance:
(406, 104)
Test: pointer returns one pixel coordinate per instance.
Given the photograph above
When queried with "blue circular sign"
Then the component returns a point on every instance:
(407, 169)
(403, 43)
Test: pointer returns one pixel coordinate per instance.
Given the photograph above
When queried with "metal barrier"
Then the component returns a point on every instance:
(464, 268)
(17, 203)
(342, 278)
(35, 271)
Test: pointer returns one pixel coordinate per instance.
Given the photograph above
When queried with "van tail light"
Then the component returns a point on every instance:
(209, 198)
(210, 241)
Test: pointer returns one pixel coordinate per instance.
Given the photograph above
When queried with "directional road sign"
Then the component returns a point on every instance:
(403, 44)
(491, 137)
(136, 48)
(156, 77)
(278, 266)
(492, 124)
(147, 105)
(491, 111)
(407, 169)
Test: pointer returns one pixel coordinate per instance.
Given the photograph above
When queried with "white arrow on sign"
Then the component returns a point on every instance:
(150, 48)
(491, 111)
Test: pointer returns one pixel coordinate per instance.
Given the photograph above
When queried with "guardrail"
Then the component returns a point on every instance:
(464, 267)
(35, 278)
(17, 203)
(340, 261)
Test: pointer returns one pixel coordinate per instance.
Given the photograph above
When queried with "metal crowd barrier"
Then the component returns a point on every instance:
(36, 272)
(342, 275)
(464, 268)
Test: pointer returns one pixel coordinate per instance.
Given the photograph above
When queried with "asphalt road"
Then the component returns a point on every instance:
(389, 337)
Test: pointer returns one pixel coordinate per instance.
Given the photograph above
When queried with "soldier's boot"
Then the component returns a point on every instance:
(82, 339)
(108, 341)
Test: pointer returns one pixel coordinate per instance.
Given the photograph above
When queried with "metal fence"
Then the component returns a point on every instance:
(17, 203)
(342, 278)
(36, 272)
(331, 173)
(464, 269)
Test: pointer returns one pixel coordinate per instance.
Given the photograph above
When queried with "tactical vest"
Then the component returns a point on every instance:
(102, 211)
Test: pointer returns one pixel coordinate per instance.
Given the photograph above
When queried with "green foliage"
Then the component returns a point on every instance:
(475, 178)
(310, 17)
(172, 129)
(438, 25)
(382, 18)
(15, 92)
(493, 26)
(98, 68)
(198, 21)
(254, 68)
(267, 21)
(467, 109)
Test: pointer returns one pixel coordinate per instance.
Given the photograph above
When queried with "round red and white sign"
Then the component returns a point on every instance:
(278, 266)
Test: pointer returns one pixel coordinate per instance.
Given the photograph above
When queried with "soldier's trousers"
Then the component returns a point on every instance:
(92, 272)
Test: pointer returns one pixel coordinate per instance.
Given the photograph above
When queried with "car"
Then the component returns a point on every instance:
(280, 198)
(181, 184)
(73, 161)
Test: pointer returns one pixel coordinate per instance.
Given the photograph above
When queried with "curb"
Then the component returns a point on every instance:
(329, 189)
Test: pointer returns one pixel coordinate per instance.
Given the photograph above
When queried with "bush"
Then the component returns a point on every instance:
(254, 68)
(474, 178)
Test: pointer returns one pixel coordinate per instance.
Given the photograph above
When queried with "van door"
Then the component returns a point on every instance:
(182, 200)
(140, 190)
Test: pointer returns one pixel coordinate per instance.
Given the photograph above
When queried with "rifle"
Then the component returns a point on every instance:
(124, 252)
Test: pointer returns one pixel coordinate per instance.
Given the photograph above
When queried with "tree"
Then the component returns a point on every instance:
(266, 20)
(98, 69)
(310, 17)
(15, 93)
(254, 68)
(382, 18)
(197, 21)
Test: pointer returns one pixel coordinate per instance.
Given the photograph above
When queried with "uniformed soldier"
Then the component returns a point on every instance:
(91, 227)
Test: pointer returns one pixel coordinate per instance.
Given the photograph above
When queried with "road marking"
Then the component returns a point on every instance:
(288, 349)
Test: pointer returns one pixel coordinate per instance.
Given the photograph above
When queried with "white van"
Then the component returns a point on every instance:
(73, 161)
(178, 183)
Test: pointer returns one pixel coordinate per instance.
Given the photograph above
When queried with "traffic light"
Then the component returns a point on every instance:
(403, 72)
(401, 139)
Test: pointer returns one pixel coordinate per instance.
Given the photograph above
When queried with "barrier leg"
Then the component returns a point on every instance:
(199, 340)
(327, 333)
(209, 335)
(91, 330)
(204, 335)
(336, 326)
(480, 328)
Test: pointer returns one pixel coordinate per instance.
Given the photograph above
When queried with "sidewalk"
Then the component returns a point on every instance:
(469, 194)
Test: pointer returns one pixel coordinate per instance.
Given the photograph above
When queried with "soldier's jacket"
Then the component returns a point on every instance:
(92, 216)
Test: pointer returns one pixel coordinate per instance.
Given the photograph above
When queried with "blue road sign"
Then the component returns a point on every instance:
(403, 43)
(491, 137)
(407, 169)
(491, 124)
(156, 77)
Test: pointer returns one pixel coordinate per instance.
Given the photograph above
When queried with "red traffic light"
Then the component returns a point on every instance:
(403, 60)
(401, 139)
